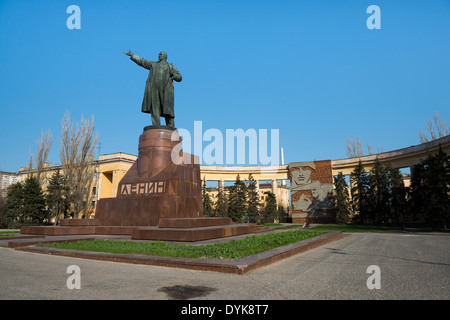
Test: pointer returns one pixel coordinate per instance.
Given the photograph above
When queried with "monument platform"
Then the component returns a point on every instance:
(172, 229)
(192, 229)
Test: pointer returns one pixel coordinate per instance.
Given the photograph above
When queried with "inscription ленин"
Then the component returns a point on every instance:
(143, 188)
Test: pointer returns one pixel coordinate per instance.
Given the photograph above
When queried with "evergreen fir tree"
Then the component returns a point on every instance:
(34, 211)
(378, 196)
(57, 197)
(436, 186)
(270, 212)
(207, 202)
(12, 214)
(253, 205)
(417, 192)
(2, 208)
(430, 181)
(283, 214)
(341, 198)
(237, 201)
(221, 205)
(359, 191)
(398, 206)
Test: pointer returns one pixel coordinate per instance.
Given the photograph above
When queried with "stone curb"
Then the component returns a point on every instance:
(238, 266)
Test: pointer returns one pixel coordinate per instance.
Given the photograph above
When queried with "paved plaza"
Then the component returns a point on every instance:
(412, 266)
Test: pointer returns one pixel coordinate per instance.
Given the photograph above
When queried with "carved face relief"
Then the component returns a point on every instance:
(311, 189)
(301, 176)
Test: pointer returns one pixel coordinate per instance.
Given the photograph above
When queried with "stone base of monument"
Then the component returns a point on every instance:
(174, 229)
(157, 199)
(192, 229)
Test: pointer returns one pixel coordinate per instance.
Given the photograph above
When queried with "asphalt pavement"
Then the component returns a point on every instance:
(411, 266)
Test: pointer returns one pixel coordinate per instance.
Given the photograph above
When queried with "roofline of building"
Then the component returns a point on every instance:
(416, 151)
(8, 173)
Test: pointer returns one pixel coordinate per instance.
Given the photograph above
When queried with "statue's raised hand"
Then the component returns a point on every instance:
(129, 53)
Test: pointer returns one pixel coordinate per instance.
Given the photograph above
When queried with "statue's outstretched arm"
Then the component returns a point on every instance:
(138, 60)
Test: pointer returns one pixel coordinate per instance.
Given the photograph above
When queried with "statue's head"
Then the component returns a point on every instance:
(162, 56)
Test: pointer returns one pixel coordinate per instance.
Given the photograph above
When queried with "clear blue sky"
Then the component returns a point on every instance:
(311, 69)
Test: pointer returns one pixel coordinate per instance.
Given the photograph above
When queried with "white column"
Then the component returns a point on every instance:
(274, 187)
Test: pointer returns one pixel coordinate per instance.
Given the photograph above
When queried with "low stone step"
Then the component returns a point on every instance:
(30, 242)
(260, 229)
(74, 230)
(57, 230)
(193, 222)
(191, 234)
(79, 222)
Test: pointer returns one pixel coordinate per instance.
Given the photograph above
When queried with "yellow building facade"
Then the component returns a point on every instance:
(110, 169)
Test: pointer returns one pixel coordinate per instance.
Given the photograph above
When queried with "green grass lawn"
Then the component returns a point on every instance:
(234, 249)
(8, 233)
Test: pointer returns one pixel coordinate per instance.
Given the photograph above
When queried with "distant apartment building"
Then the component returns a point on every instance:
(6, 180)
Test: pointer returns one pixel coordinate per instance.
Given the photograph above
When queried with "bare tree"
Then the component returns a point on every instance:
(77, 153)
(30, 166)
(354, 148)
(442, 129)
(43, 148)
(370, 149)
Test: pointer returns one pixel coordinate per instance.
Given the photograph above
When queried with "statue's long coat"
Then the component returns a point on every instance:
(150, 101)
